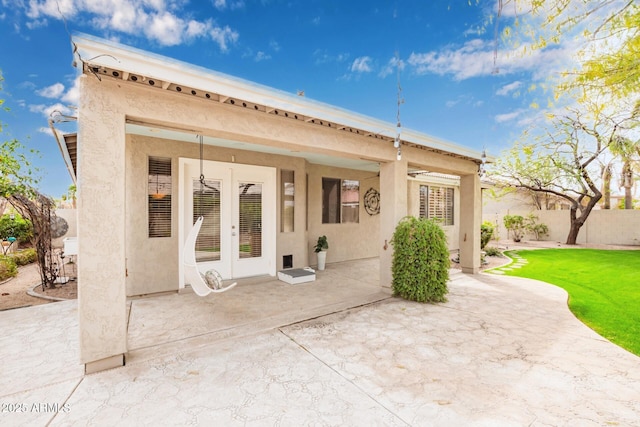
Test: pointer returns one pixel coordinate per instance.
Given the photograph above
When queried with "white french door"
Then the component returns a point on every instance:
(238, 204)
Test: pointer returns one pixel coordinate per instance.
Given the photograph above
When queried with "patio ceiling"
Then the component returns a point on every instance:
(315, 158)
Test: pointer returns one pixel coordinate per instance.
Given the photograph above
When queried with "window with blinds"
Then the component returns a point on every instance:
(159, 197)
(206, 203)
(287, 200)
(437, 203)
(250, 219)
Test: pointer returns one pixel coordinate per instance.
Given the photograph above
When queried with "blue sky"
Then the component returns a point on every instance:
(457, 83)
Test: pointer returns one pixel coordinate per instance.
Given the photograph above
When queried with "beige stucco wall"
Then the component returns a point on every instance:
(346, 241)
(152, 263)
(69, 215)
(613, 227)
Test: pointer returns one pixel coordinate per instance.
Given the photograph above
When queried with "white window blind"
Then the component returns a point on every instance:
(437, 203)
(250, 220)
(206, 203)
(159, 197)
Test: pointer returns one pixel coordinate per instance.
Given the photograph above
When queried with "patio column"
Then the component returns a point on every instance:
(470, 221)
(393, 207)
(101, 227)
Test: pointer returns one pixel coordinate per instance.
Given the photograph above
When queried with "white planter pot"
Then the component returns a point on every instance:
(322, 259)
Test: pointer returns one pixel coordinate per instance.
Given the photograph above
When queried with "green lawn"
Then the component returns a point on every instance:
(603, 287)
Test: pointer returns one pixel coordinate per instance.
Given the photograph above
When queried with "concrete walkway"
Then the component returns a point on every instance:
(502, 351)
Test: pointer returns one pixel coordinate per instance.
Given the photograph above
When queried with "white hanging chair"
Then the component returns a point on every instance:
(191, 273)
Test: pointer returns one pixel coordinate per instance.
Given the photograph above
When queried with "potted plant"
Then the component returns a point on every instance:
(321, 251)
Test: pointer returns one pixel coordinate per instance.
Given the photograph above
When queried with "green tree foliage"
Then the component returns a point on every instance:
(17, 175)
(563, 160)
(15, 226)
(608, 32)
(420, 265)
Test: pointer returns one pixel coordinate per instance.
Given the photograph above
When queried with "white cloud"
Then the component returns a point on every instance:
(274, 45)
(477, 58)
(53, 91)
(507, 89)
(392, 66)
(162, 21)
(72, 95)
(361, 65)
(224, 37)
(323, 57)
(51, 110)
(223, 4)
(261, 56)
(507, 117)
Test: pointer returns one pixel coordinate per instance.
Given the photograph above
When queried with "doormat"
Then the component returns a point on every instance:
(296, 276)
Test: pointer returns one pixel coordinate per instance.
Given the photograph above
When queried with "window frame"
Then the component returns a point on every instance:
(339, 204)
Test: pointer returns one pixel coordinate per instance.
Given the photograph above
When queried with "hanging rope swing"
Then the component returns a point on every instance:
(211, 281)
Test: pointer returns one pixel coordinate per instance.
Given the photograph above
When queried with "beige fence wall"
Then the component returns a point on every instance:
(613, 227)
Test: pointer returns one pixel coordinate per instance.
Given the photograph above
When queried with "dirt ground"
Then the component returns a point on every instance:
(13, 293)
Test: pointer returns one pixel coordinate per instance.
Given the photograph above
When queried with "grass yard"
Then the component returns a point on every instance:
(603, 287)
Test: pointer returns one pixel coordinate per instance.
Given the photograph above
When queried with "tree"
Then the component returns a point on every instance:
(628, 152)
(610, 58)
(562, 160)
(17, 186)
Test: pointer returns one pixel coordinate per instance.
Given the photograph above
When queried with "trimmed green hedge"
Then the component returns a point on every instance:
(420, 265)
(8, 267)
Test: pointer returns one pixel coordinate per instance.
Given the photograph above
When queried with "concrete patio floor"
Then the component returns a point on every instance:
(502, 351)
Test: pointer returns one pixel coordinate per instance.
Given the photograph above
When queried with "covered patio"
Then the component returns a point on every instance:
(163, 324)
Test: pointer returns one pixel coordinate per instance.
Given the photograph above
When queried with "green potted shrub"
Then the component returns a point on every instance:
(321, 251)
(420, 264)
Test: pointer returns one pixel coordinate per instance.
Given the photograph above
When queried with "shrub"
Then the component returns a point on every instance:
(537, 229)
(516, 225)
(8, 267)
(24, 257)
(420, 265)
(486, 233)
(18, 227)
(491, 251)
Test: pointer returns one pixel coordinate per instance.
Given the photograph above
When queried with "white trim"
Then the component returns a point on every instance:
(104, 53)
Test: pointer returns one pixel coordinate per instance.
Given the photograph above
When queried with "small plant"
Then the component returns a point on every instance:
(8, 268)
(24, 257)
(322, 244)
(492, 251)
(486, 233)
(537, 229)
(516, 225)
(420, 265)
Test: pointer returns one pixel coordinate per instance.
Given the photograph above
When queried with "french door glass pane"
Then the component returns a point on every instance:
(250, 220)
(206, 203)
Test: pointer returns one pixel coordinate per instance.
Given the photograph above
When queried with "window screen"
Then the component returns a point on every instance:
(159, 197)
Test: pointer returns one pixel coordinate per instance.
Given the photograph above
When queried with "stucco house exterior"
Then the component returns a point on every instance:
(278, 170)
